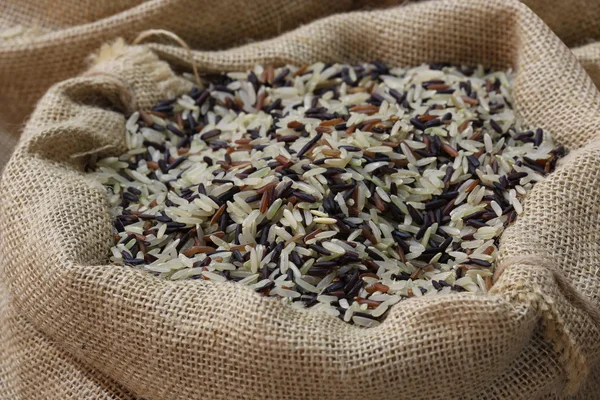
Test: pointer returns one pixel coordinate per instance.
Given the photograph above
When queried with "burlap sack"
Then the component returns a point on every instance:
(115, 330)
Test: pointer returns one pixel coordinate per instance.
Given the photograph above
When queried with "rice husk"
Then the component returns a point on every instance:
(534, 336)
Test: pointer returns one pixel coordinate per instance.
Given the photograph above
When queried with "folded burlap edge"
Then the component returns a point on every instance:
(575, 361)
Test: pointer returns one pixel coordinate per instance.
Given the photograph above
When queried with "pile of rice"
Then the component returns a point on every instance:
(345, 188)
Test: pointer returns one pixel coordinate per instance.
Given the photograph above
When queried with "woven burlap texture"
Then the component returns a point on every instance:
(35, 368)
(589, 57)
(118, 330)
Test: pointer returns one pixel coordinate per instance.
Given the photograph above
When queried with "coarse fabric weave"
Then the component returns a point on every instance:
(575, 22)
(76, 327)
(589, 57)
(33, 367)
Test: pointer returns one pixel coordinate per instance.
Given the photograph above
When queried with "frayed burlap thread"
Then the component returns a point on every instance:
(201, 339)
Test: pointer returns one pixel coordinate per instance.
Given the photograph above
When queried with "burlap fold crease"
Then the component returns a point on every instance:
(536, 335)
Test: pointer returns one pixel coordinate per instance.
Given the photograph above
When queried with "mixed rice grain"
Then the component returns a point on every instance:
(345, 188)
